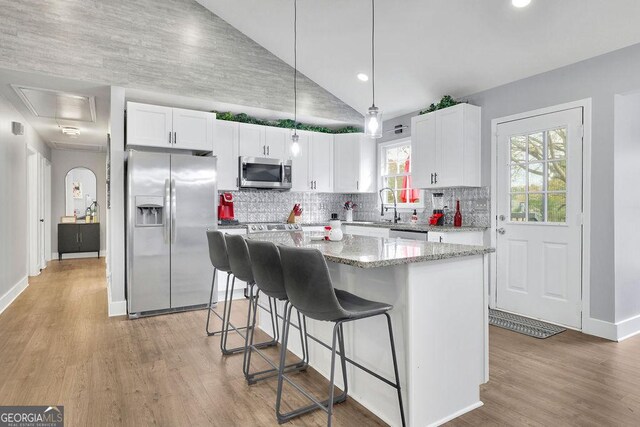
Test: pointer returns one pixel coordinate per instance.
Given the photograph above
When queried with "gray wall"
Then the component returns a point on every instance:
(172, 46)
(14, 233)
(62, 161)
(627, 205)
(600, 79)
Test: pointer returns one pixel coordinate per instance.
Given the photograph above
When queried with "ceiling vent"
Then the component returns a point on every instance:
(78, 146)
(57, 105)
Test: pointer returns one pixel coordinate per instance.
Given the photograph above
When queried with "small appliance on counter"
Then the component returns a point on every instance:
(226, 215)
(437, 218)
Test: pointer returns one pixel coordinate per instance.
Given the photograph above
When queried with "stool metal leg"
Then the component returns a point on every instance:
(395, 368)
(325, 405)
(209, 307)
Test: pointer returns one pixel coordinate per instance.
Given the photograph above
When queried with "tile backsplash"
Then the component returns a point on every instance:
(274, 206)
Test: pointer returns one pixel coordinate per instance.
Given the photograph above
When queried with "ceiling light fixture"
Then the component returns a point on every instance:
(373, 117)
(520, 3)
(295, 145)
(363, 77)
(70, 131)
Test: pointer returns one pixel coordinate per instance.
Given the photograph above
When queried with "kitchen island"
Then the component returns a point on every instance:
(440, 320)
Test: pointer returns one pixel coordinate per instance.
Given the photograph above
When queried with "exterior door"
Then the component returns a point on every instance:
(193, 210)
(539, 202)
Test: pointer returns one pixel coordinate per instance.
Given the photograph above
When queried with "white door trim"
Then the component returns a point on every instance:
(585, 104)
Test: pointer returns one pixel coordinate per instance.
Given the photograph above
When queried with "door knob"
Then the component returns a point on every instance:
(501, 217)
(501, 231)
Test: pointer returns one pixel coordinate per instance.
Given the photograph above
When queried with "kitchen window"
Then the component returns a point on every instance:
(395, 173)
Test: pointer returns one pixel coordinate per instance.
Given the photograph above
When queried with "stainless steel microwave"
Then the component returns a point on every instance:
(264, 172)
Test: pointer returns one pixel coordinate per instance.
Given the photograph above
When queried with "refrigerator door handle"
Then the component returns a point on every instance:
(173, 211)
(165, 214)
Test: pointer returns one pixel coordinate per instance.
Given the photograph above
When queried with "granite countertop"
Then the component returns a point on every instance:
(415, 227)
(370, 252)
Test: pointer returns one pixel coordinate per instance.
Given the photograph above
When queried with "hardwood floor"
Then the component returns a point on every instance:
(57, 346)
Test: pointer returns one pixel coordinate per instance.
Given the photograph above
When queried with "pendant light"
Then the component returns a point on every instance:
(373, 117)
(295, 145)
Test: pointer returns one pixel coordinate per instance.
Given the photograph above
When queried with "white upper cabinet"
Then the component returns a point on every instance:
(278, 142)
(263, 141)
(354, 163)
(251, 140)
(166, 127)
(226, 151)
(193, 130)
(149, 125)
(445, 148)
(321, 162)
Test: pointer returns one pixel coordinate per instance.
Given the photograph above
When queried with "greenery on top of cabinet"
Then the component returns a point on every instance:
(282, 123)
(446, 101)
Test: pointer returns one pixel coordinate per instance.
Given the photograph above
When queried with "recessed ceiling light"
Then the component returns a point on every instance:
(363, 77)
(70, 131)
(520, 3)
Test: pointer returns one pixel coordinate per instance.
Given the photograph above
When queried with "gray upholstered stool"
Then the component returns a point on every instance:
(240, 264)
(267, 272)
(220, 263)
(310, 290)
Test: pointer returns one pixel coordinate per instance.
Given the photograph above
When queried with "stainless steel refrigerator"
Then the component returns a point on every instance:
(171, 202)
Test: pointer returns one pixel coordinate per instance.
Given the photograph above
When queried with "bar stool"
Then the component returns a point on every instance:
(240, 264)
(220, 262)
(267, 271)
(310, 290)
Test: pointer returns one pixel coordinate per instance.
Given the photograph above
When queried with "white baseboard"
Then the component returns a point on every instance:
(117, 308)
(79, 255)
(12, 294)
(600, 328)
(618, 331)
(628, 328)
(457, 414)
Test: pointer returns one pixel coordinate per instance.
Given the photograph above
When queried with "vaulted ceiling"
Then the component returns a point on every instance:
(429, 48)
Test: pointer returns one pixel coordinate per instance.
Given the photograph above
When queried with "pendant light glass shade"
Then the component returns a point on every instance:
(295, 145)
(373, 122)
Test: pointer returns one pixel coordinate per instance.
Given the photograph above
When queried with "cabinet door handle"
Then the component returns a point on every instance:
(435, 178)
(77, 237)
(175, 138)
(264, 150)
(432, 178)
(358, 185)
(169, 137)
(268, 147)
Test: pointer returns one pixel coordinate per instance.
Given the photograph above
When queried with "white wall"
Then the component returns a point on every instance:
(62, 161)
(627, 206)
(115, 215)
(13, 200)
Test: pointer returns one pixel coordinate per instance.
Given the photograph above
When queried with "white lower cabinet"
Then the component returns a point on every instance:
(457, 237)
(357, 230)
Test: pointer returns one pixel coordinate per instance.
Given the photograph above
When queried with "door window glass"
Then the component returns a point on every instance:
(538, 184)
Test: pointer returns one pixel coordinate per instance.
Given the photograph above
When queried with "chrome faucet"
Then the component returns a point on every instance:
(383, 208)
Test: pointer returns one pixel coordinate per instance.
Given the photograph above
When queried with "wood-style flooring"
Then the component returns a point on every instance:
(57, 346)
